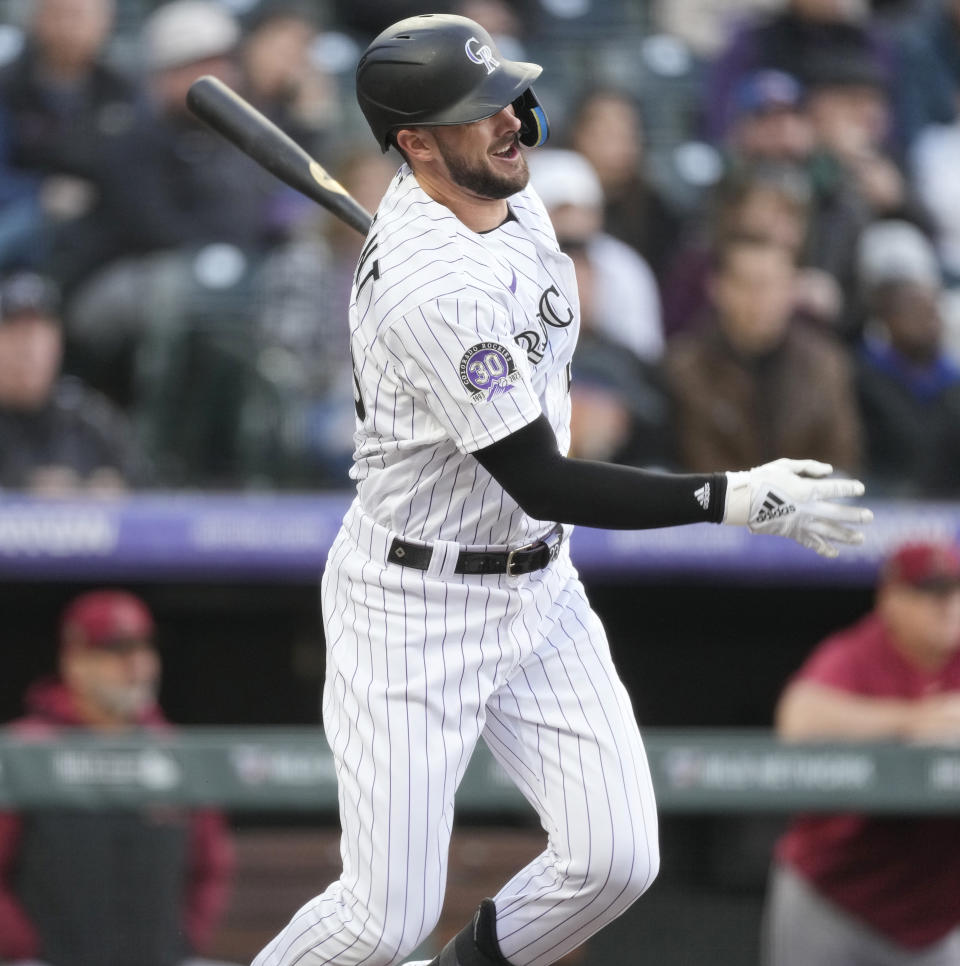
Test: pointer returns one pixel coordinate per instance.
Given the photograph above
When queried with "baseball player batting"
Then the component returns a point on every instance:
(451, 609)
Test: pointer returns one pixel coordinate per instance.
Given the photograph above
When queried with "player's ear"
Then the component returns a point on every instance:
(416, 144)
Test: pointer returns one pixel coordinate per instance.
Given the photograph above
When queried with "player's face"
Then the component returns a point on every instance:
(484, 158)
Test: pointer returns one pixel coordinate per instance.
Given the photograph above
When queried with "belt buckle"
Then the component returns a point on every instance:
(551, 541)
(513, 553)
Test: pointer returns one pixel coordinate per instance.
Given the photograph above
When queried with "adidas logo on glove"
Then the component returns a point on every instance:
(772, 508)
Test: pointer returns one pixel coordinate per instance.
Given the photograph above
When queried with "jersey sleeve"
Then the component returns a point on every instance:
(460, 357)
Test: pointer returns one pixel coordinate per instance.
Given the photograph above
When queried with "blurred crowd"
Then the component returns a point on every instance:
(759, 197)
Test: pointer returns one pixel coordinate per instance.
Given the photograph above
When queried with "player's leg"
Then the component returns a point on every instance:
(475, 945)
(401, 730)
(564, 728)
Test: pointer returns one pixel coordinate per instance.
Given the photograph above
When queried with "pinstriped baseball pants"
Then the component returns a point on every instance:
(419, 666)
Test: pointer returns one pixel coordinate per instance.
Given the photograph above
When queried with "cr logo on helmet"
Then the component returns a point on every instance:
(482, 55)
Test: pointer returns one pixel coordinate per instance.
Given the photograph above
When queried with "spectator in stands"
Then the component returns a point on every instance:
(766, 201)
(56, 434)
(299, 412)
(791, 40)
(620, 408)
(855, 178)
(607, 129)
(832, 135)
(283, 79)
(196, 217)
(928, 70)
(62, 108)
(177, 182)
(849, 888)
(754, 385)
(848, 107)
(768, 121)
(625, 301)
(772, 135)
(81, 887)
(704, 25)
(909, 390)
(934, 161)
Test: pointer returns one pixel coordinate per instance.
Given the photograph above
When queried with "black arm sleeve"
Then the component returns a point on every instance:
(549, 486)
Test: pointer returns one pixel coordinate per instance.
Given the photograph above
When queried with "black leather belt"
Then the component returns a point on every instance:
(523, 560)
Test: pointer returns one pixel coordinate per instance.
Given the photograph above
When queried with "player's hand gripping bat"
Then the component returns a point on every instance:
(258, 137)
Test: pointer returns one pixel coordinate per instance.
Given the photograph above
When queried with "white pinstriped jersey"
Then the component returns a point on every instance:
(458, 339)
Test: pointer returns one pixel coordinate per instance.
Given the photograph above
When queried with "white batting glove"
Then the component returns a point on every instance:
(790, 498)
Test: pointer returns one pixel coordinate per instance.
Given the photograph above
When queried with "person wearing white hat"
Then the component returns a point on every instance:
(185, 39)
(187, 31)
(626, 305)
(908, 388)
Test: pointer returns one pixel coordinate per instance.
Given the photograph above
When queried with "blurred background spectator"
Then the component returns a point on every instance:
(909, 389)
(856, 179)
(753, 384)
(768, 123)
(706, 24)
(772, 202)
(624, 302)
(63, 108)
(167, 329)
(207, 300)
(927, 75)
(792, 40)
(283, 79)
(606, 127)
(620, 408)
(297, 419)
(57, 435)
(875, 889)
(115, 887)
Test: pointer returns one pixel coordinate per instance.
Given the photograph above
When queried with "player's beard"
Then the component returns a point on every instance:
(482, 180)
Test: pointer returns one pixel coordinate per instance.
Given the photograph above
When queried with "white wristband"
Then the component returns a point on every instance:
(736, 505)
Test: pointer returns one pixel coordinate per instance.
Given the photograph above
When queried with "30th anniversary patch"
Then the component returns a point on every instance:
(487, 370)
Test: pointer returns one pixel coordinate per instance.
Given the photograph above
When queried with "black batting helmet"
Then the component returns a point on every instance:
(441, 69)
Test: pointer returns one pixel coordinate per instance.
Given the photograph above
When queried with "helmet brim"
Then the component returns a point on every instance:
(501, 88)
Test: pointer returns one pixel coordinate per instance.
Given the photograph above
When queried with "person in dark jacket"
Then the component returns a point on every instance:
(908, 386)
(117, 887)
(754, 384)
(57, 434)
(63, 110)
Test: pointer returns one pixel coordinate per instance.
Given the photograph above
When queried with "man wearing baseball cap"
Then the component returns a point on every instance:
(851, 888)
(107, 888)
(769, 125)
(57, 434)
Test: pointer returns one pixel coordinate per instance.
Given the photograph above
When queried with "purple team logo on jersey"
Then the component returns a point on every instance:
(487, 370)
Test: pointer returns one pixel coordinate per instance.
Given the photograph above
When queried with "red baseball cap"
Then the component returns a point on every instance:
(928, 565)
(102, 618)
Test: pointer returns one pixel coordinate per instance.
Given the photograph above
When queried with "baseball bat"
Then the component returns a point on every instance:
(258, 137)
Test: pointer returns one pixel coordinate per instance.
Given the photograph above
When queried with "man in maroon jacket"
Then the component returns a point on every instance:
(109, 887)
(859, 889)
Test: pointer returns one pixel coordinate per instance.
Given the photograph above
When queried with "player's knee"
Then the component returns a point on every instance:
(634, 872)
(624, 872)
